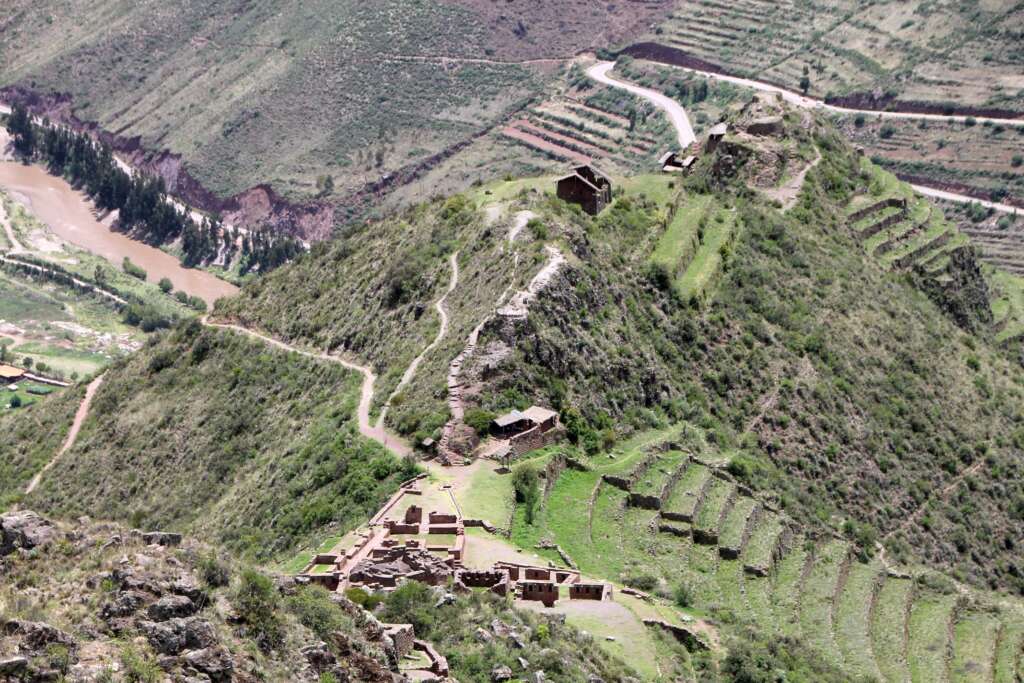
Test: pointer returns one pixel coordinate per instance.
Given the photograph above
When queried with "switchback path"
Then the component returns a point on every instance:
(392, 442)
(76, 426)
(410, 372)
(681, 121)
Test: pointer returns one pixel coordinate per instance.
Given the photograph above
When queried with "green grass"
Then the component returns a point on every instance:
(1008, 651)
(27, 397)
(489, 497)
(762, 541)
(853, 618)
(676, 246)
(887, 628)
(735, 522)
(786, 591)
(714, 504)
(974, 640)
(657, 187)
(817, 599)
(929, 637)
(759, 596)
(731, 586)
(708, 260)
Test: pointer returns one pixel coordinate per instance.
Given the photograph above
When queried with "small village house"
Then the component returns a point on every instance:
(587, 187)
(10, 374)
(516, 422)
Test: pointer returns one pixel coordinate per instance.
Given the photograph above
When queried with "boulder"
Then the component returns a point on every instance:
(124, 605)
(215, 662)
(483, 635)
(171, 606)
(501, 673)
(163, 538)
(319, 656)
(13, 667)
(164, 638)
(25, 530)
(36, 636)
(199, 633)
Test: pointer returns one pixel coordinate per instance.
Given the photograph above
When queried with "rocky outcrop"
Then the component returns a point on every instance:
(24, 530)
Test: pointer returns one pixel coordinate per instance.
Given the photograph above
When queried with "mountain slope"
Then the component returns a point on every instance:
(206, 430)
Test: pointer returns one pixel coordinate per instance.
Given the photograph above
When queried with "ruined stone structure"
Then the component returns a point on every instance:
(495, 580)
(538, 591)
(715, 136)
(402, 635)
(589, 591)
(388, 566)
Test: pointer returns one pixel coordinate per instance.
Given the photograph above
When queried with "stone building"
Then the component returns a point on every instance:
(586, 186)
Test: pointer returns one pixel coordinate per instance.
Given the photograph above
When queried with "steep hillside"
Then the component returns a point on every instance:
(206, 430)
(856, 377)
(314, 100)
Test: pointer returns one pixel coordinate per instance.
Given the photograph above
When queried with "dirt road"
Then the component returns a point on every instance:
(676, 113)
(410, 372)
(681, 121)
(392, 442)
(76, 426)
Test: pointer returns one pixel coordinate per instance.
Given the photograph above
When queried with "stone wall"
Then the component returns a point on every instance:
(539, 591)
(898, 202)
(588, 591)
(881, 225)
(533, 439)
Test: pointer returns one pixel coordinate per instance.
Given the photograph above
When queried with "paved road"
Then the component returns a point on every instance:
(676, 113)
(964, 199)
(69, 441)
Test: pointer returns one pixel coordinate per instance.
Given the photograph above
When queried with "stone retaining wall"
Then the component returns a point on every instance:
(881, 225)
(908, 259)
(898, 202)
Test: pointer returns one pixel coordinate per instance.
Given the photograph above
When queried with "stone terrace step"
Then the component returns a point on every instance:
(687, 494)
(787, 588)
(737, 526)
(759, 552)
(1009, 663)
(889, 628)
(853, 612)
(717, 501)
(818, 598)
(974, 642)
(929, 643)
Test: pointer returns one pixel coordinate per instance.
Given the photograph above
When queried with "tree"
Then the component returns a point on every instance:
(15, 401)
(805, 83)
(27, 362)
(525, 482)
(256, 600)
(165, 285)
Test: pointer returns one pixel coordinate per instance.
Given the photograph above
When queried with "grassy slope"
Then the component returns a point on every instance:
(210, 431)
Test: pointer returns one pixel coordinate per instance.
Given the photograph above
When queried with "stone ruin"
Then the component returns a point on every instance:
(387, 566)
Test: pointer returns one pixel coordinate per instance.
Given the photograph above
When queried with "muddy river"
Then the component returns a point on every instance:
(69, 214)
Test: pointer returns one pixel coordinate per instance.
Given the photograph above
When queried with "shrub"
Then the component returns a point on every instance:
(212, 571)
(312, 606)
(256, 601)
(887, 132)
(363, 598)
(643, 582)
(526, 484)
(15, 401)
(132, 269)
(970, 121)
(1017, 160)
(165, 285)
(683, 595)
(479, 419)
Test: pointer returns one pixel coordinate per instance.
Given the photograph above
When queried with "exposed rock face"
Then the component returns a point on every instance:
(25, 530)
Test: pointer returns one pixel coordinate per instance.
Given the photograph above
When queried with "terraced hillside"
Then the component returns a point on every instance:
(744, 561)
(841, 47)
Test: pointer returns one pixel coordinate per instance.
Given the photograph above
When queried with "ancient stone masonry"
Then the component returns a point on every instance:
(539, 591)
(909, 259)
(630, 480)
(890, 202)
(389, 566)
(890, 245)
(733, 552)
(590, 591)
(884, 223)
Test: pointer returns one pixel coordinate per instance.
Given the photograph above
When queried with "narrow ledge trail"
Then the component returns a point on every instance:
(69, 441)
(442, 312)
(391, 442)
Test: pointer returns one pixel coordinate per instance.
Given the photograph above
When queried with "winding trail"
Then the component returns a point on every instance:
(76, 426)
(676, 114)
(456, 404)
(390, 441)
(678, 117)
(16, 246)
(410, 372)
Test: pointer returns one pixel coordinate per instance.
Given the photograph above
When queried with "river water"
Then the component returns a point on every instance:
(69, 214)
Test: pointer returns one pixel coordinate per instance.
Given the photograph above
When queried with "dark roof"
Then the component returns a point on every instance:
(509, 418)
(594, 169)
(581, 179)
